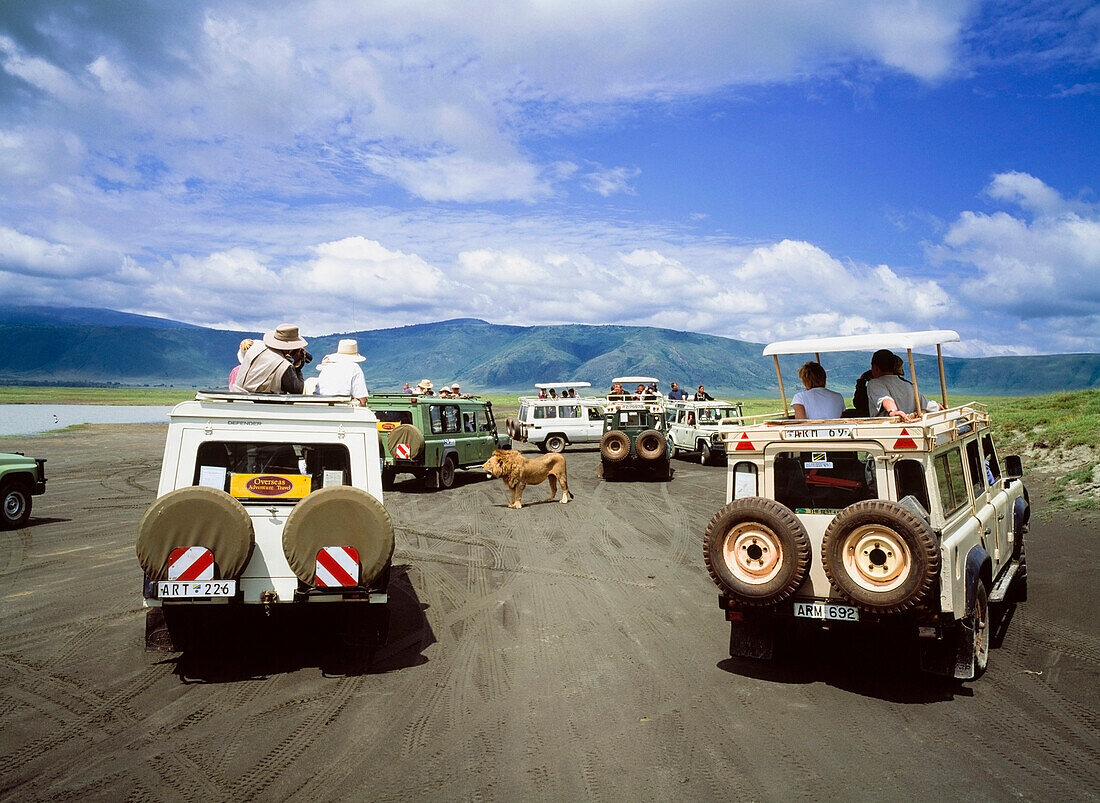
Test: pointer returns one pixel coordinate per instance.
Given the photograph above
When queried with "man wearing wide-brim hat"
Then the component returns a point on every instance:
(276, 365)
(424, 388)
(341, 374)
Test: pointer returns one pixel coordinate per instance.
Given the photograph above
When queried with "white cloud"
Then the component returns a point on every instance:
(607, 181)
(1045, 266)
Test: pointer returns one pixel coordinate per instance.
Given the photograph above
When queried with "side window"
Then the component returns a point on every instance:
(469, 421)
(909, 480)
(744, 480)
(976, 466)
(546, 412)
(569, 411)
(992, 467)
(444, 419)
(950, 481)
(595, 414)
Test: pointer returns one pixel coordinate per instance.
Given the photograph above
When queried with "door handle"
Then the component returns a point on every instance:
(988, 531)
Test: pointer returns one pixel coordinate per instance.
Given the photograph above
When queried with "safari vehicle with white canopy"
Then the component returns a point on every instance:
(697, 427)
(635, 424)
(267, 501)
(911, 525)
(552, 422)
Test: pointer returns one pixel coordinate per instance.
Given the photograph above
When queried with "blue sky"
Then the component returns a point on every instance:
(759, 170)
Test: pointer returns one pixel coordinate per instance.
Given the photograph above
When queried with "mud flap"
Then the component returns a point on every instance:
(753, 638)
(965, 666)
(158, 638)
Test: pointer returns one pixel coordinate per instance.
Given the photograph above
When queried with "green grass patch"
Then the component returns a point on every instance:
(111, 396)
(1061, 420)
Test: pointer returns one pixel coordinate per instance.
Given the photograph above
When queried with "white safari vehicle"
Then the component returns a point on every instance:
(551, 424)
(697, 427)
(265, 501)
(870, 522)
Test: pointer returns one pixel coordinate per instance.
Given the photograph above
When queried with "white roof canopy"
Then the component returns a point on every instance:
(635, 380)
(888, 340)
(559, 385)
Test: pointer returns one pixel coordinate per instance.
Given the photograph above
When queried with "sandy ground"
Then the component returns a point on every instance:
(559, 652)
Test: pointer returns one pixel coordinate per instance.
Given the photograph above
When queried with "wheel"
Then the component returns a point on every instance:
(650, 445)
(705, 458)
(195, 516)
(340, 515)
(972, 638)
(614, 446)
(554, 443)
(405, 434)
(979, 627)
(17, 505)
(447, 472)
(756, 550)
(389, 475)
(880, 556)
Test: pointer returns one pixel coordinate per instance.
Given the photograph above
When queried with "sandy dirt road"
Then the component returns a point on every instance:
(560, 652)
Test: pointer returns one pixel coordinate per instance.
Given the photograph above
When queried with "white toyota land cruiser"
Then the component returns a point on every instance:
(265, 500)
(552, 423)
(870, 522)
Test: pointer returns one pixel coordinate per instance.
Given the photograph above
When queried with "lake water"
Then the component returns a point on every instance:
(27, 419)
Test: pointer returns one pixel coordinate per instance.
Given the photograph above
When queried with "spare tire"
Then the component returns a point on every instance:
(615, 446)
(195, 516)
(407, 434)
(339, 515)
(756, 550)
(880, 556)
(650, 445)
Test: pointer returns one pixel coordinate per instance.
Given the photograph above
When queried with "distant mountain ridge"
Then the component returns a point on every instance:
(83, 346)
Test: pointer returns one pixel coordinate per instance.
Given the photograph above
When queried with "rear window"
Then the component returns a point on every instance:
(394, 416)
(824, 481)
(240, 468)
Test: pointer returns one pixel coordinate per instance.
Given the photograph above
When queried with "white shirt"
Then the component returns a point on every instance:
(820, 403)
(341, 378)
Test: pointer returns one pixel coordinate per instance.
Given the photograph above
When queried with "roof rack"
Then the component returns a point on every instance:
(273, 398)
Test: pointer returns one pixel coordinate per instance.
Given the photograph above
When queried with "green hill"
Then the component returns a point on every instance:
(102, 347)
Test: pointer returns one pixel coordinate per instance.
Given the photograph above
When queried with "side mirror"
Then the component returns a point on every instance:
(1013, 466)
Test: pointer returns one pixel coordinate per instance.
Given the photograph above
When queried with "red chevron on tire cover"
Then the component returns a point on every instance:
(337, 567)
(191, 563)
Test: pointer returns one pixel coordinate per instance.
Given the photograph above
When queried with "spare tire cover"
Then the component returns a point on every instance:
(406, 433)
(195, 516)
(650, 445)
(338, 516)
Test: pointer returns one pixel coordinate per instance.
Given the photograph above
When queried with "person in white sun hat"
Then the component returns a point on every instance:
(341, 374)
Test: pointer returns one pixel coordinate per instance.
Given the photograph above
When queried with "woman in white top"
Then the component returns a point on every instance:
(816, 401)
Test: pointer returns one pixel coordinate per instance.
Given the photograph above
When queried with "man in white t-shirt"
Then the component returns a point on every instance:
(341, 374)
(816, 401)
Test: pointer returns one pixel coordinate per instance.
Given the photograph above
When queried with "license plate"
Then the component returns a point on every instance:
(175, 589)
(827, 611)
(818, 433)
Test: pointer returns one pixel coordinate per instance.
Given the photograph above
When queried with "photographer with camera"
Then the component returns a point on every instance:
(276, 367)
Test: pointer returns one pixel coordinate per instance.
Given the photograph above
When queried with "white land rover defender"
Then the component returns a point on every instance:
(698, 427)
(870, 522)
(552, 423)
(265, 501)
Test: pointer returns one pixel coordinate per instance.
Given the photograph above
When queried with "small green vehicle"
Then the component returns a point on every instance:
(21, 477)
(635, 431)
(431, 437)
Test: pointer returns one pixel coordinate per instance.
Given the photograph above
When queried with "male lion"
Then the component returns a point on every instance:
(518, 472)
